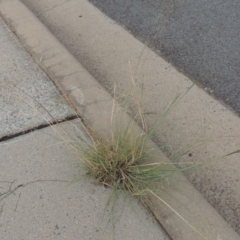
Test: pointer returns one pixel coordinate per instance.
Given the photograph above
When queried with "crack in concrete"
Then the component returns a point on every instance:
(55, 122)
(50, 9)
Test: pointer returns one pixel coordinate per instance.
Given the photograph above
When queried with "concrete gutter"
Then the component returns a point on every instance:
(95, 106)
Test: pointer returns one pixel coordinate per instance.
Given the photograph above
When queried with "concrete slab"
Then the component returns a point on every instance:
(22, 83)
(105, 50)
(58, 210)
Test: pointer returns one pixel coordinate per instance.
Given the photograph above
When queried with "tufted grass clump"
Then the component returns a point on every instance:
(122, 162)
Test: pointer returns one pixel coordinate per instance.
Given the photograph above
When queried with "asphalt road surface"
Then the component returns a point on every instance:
(201, 38)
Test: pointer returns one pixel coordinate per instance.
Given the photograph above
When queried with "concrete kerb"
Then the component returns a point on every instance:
(95, 105)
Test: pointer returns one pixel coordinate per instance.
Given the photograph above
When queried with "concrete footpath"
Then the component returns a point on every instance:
(50, 209)
(58, 209)
(80, 85)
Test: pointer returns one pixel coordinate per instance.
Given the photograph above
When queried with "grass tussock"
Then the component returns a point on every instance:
(124, 160)
(121, 164)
